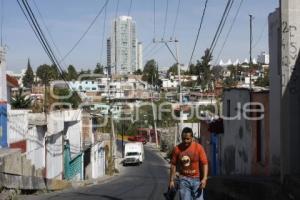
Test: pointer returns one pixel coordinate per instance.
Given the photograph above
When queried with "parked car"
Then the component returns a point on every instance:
(137, 138)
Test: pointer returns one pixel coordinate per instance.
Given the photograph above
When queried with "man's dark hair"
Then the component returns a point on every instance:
(186, 130)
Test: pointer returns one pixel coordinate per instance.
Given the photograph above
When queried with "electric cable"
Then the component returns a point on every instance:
(166, 19)
(221, 26)
(154, 19)
(176, 18)
(103, 34)
(117, 9)
(230, 29)
(130, 7)
(87, 30)
(261, 34)
(198, 32)
(47, 29)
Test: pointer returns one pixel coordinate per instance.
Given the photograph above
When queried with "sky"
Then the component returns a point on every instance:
(65, 21)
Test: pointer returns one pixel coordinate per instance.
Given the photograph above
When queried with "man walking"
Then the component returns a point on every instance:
(188, 158)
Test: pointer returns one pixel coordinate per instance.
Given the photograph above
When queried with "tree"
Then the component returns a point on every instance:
(138, 72)
(20, 101)
(99, 69)
(217, 72)
(44, 73)
(72, 73)
(203, 70)
(193, 70)
(173, 70)
(48, 73)
(150, 73)
(54, 73)
(74, 99)
(28, 78)
(263, 81)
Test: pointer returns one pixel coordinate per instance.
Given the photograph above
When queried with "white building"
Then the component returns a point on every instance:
(263, 58)
(3, 87)
(140, 65)
(123, 47)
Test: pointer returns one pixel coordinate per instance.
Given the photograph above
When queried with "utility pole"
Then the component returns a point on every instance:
(250, 62)
(176, 57)
(154, 116)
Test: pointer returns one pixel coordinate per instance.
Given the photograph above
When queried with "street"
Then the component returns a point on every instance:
(147, 181)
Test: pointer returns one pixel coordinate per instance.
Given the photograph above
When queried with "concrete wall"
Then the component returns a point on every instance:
(73, 134)
(236, 142)
(61, 125)
(290, 106)
(275, 91)
(98, 160)
(54, 156)
(206, 141)
(17, 125)
(36, 146)
(262, 147)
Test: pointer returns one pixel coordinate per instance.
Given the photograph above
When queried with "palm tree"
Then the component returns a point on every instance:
(20, 101)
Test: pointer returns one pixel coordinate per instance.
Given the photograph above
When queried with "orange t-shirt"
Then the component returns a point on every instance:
(188, 159)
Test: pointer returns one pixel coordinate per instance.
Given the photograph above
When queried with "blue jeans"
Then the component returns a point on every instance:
(189, 189)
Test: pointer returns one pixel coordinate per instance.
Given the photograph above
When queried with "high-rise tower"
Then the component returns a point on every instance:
(123, 49)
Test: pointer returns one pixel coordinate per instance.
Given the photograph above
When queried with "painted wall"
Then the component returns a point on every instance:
(3, 99)
(236, 142)
(3, 125)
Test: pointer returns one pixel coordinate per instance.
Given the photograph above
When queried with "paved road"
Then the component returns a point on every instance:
(147, 181)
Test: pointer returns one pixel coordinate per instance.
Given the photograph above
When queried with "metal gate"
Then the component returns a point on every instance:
(73, 168)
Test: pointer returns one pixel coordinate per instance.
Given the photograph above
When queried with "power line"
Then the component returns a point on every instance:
(154, 19)
(154, 52)
(40, 35)
(197, 37)
(47, 29)
(84, 34)
(261, 34)
(221, 26)
(166, 19)
(176, 18)
(130, 7)
(103, 34)
(230, 29)
(150, 51)
(117, 9)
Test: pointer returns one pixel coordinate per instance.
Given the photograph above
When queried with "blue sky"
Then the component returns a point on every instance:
(67, 20)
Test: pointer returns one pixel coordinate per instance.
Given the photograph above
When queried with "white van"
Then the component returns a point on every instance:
(134, 153)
